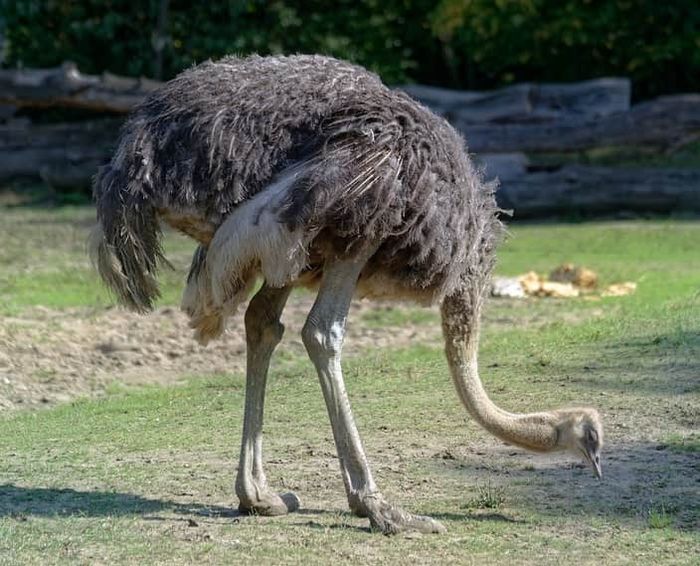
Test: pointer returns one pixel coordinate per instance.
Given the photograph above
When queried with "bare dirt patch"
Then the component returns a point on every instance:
(49, 356)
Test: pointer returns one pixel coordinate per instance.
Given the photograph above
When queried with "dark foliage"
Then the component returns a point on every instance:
(457, 43)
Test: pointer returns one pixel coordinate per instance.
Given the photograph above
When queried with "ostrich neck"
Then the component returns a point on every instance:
(533, 431)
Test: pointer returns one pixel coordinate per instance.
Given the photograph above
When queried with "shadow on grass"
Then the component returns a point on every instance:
(659, 365)
(24, 502)
(16, 501)
(637, 478)
(315, 525)
(478, 517)
(21, 502)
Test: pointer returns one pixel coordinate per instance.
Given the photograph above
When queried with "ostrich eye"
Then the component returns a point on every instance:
(591, 436)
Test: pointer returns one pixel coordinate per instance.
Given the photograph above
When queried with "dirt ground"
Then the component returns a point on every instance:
(49, 356)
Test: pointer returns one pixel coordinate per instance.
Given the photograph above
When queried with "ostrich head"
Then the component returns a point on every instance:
(580, 432)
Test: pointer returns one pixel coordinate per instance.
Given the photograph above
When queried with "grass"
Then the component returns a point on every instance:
(684, 442)
(46, 249)
(398, 316)
(144, 475)
(488, 496)
(659, 518)
(123, 479)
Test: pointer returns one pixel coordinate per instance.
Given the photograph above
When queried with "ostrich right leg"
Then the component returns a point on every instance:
(263, 332)
(323, 337)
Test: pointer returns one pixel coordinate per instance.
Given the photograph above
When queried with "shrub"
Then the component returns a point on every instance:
(472, 44)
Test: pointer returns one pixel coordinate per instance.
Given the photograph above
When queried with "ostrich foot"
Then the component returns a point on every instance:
(391, 520)
(269, 504)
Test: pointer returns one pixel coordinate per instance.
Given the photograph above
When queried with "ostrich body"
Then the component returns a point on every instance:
(306, 170)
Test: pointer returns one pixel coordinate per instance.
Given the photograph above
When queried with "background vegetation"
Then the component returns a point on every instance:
(473, 44)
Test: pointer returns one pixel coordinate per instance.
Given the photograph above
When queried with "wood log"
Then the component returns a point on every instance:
(66, 86)
(669, 121)
(504, 166)
(548, 118)
(594, 191)
(542, 118)
(512, 103)
(586, 99)
(62, 154)
(7, 112)
(528, 102)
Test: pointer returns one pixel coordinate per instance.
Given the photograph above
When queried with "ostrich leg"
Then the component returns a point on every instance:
(323, 337)
(263, 332)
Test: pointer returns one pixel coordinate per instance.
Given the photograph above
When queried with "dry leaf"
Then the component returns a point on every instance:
(558, 290)
(531, 283)
(620, 289)
(579, 276)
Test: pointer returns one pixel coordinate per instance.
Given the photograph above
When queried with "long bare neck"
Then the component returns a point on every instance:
(460, 324)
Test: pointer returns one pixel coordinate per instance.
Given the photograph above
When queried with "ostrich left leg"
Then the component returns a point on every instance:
(263, 332)
(323, 337)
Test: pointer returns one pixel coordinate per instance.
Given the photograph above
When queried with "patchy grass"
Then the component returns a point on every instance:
(147, 475)
(683, 442)
(144, 475)
(488, 496)
(658, 517)
(45, 250)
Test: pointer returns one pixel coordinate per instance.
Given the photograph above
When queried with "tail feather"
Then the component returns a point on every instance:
(125, 244)
(207, 315)
(251, 241)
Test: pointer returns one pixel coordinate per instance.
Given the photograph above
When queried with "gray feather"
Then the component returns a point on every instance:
(383, 171)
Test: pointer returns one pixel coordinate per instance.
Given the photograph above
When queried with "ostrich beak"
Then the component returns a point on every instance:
(594, 460)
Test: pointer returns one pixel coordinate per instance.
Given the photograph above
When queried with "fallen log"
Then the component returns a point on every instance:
(547, 118)
(663, 123)
(504, 166)
(527, 102)
(64, 155)
(594, 191)
(524, 117)
(66, 86)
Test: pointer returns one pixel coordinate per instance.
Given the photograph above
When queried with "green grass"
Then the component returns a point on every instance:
(121, 479)
(45, 250)
(144, 475)
(398, 316)
(659, 518)
(684, 442)
(488, 496)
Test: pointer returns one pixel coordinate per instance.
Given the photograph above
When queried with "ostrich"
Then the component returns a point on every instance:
(309, 171)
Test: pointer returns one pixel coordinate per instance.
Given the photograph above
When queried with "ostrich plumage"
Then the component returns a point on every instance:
(306, 170)
(374, 168)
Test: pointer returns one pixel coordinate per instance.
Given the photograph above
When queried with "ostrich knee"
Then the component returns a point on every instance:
(262, 326)
(322, 340)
